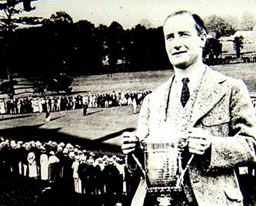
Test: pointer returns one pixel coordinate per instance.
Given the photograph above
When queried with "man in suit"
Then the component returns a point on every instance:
(212, 113)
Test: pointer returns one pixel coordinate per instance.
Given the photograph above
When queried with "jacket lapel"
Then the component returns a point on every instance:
(210, 93)
(163, 98)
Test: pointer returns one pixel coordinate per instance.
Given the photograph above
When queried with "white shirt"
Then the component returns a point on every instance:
(194, 78)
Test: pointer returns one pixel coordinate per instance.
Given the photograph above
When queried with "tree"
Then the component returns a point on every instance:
(212, 51)
(238, 45)
(61, 17)
(7, 22)
(248, 21)
(219, 25)
(7, 25)
(115, 36)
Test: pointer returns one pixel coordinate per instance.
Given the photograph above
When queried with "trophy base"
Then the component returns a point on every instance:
(164, 201)
(163, 190)
(165, 196)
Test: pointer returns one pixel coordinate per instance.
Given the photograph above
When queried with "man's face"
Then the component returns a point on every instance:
(182, 43)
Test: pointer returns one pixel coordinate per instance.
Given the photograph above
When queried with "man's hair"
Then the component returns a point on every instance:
(199, 23)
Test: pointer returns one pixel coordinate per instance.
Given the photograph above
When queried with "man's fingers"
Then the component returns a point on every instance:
(127, 151)
(198, 141)
(127, 148)
(196, 151)
(129, 142)
(198, 145)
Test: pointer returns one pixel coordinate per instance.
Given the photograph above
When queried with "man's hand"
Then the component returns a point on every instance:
(198, 141)
(129, 142)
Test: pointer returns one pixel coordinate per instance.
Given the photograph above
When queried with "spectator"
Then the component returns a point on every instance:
(33, 169)
(44, 162)
(54, 168)
(77, 180)
(85, 109)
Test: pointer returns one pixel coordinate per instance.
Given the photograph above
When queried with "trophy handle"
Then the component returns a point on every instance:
(139, 165)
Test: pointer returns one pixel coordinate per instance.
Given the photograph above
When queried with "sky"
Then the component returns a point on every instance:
(130, 12)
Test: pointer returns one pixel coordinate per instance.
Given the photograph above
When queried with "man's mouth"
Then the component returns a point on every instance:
(179, 52)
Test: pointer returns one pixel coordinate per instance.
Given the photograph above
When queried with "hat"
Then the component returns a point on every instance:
(13, 144)
(54, 144)
(28, 147)
(32, 143)
(90, 161)
(38, 143)
(59, 148)
(92, 154)
(51, 153)
(83, 158)
(2, 144)
(69, 146)
(77, 157)
(31, 156)
(76, 150)
(20, 142)
(105, 157)
(65, 151)
(62, 144)
(72, 155)
(110, 160)
(100, 160)
(78, 146)
(43, 149)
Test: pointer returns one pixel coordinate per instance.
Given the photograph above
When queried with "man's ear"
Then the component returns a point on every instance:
(203, 40)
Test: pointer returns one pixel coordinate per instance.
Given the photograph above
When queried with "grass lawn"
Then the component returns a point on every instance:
(101, 128)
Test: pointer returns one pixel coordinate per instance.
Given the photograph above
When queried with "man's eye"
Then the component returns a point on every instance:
(169, 37)
(184, 35)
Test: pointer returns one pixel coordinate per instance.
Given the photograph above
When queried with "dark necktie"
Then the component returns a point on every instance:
(184, 92)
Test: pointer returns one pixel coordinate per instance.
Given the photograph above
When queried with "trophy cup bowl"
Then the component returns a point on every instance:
(163, 162)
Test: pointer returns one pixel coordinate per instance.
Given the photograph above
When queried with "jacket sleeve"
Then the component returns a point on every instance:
(143, 120)
(239, 147)
(141, 132)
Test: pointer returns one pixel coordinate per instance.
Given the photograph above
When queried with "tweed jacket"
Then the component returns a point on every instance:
(224, 109)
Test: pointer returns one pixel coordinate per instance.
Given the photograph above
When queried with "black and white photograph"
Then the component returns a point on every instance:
(128, 103)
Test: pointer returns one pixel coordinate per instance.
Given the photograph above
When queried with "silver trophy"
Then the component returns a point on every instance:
(163, 167)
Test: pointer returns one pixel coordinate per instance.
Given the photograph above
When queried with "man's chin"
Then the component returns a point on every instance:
(181, 65)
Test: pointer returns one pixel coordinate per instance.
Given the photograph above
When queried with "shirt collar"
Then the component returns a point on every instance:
(194, 76)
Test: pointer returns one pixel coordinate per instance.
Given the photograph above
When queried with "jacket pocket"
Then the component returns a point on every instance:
(215, 120)
(216, 125)
(233, 194)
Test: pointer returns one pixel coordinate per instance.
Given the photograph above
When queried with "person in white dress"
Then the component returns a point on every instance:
(32, 166)
(77, 180)
(2, 107)
(44, 162)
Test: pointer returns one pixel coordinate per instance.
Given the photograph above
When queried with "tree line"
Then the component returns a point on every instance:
(59, 45)
(81, 48)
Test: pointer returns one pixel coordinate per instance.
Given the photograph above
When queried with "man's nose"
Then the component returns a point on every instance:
(177, 47)
(177, 43)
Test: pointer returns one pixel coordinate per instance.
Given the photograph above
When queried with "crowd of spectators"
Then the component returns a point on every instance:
(66, 166)
(70, 102)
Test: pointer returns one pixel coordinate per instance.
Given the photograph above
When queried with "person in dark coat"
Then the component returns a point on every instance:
(85, 108)
(67, 172)
(89, 174)
(111, 175)
(82, 173)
